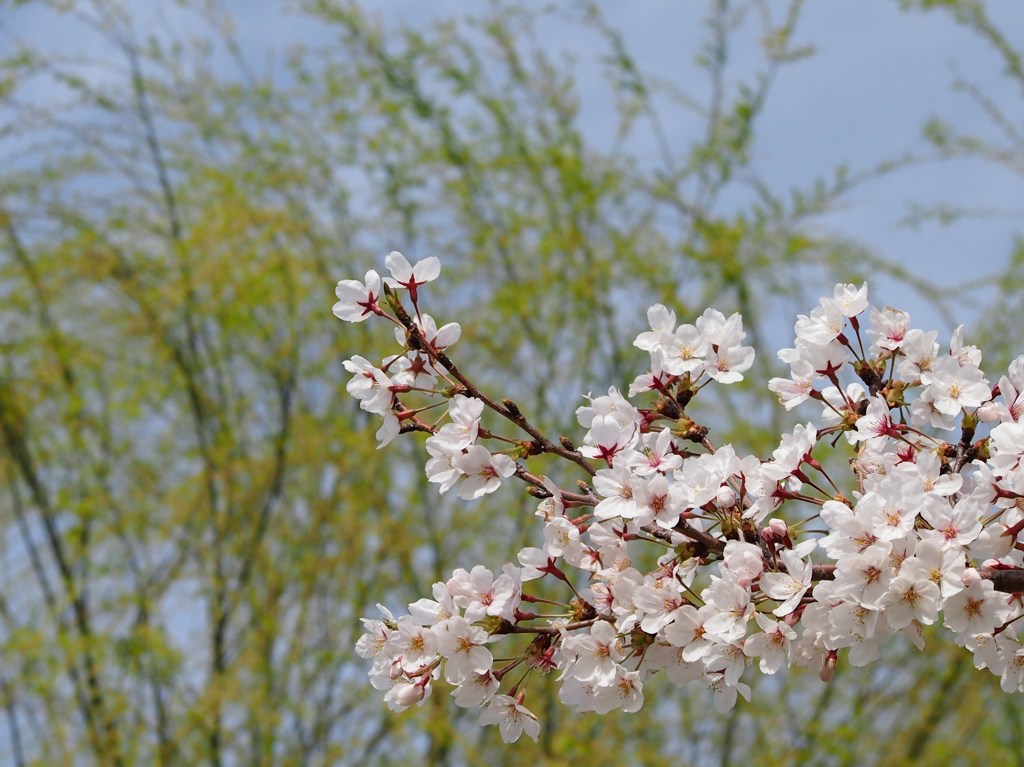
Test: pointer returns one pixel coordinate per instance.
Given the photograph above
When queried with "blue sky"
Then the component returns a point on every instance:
(876, 75)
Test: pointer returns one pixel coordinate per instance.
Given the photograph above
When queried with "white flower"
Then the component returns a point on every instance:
(441, 467)
(888, 329)
(658, 600)
(728, 363)
(920, 351)
(416, 645)
(662, 322)
(388, 430)
(683, 352)
(1006, 444)
(771, 644)
(626, 692)
(850, 299)
(729, 659)
(725, 695)
(909, 599)
(687, 631)
(840, 404)
(891, 513)
(821, 357)
(790, 586)
(857, 627)
(615, 486)
(560, 536)
(951, 388)
(796, 389)
(791, 453)
(536, 563)
(480, 594)
(1010, 406)
(593, 657)
(956, 526)
(464, 413)
(483, 471)
(372, 643)
(410, 277)
(864, 577)
(476, 690)
(358, 300)
(876, 425)
(1012, 678)
(964, 354)
(662, 656)
(943, 566)
(462, 644)
(719, 331)
(657, 499)
(824, 324)
(613, 404)
(370, 385)
(975, 610)
(432, 612)
(607, 437)
(579, 695)
(553, 506)
(440, 338)
(924, 475)
(700, 480)
(851, 531)
(732, 607)
(654, 455)
(512, 718)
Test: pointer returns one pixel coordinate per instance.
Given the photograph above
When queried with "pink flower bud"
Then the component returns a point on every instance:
(407, 694)
(828, 668)
(778, 527)
(971, 576)
(396, 671)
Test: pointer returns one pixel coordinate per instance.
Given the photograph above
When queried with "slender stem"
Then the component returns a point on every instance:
(506, 409)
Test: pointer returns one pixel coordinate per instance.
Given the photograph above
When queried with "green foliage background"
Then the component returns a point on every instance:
(193, 513)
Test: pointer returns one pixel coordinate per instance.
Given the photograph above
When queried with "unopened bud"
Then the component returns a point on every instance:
(726, 497)
(828, 668)
(408, 694)
(781, 531)
(396, 671)
(970, 577)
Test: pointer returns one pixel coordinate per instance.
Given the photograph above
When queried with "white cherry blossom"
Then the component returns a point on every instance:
(919, 531)
(512, 718)
(358, 300)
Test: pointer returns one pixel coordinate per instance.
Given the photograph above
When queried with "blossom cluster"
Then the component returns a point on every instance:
(921, 529)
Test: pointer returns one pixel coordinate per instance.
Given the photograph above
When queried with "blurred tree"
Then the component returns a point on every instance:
(193, 517)
(1002, 145)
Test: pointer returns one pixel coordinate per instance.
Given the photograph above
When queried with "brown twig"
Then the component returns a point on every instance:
(507, 409)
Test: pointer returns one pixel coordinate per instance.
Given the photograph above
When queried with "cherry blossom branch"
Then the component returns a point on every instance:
(507, 409)
(929, 536)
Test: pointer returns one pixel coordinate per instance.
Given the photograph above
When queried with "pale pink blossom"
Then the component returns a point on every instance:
(358, 300)
(512, 718)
